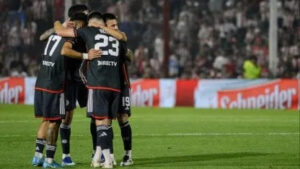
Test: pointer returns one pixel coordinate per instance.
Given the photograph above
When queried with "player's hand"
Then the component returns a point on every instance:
(94, 53)
(69, 24)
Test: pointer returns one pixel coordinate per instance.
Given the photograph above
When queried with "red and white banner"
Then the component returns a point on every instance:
(279, 94)
(229, 93)
(12, 90)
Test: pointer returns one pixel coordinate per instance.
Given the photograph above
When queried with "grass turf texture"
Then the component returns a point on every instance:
(170, 138)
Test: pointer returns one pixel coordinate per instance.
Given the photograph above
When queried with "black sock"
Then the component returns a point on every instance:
(39, 145)
(104, 136)
(126, 135)
(93, 131)
(65, 133)
(50, 151)
(112, 144)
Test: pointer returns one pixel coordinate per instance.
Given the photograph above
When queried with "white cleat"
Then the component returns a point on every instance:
(113, 159)
(127, 161)
(95, 164)
(107, 165)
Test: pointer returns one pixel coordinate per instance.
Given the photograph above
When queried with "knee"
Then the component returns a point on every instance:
(123, 119)
(54, 123)
(105, 122)
(68, 119)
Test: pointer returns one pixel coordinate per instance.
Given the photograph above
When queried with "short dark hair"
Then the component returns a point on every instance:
(79, 17)
(78, 8)
(109, 16)
(95, 14)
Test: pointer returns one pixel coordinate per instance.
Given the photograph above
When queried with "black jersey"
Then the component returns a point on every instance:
(51, 75)
(102, 73)
(124, 77)
(72, 65)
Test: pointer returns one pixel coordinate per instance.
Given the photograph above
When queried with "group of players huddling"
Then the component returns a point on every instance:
(84, 60)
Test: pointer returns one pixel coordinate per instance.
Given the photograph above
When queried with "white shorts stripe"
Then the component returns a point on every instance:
(90, 101)
(62, 104)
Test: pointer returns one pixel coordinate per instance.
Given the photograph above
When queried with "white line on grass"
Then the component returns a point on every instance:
(200, 120)
(187, 134)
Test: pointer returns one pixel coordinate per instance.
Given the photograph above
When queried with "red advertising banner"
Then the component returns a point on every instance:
(185, 90)
(145, 92)
(279, 94)
(12, 90)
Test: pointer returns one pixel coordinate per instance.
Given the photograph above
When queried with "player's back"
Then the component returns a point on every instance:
(103, 72)
(51, 74)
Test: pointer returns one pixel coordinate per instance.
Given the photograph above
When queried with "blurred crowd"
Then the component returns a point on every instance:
(22, 21)
(208, 38)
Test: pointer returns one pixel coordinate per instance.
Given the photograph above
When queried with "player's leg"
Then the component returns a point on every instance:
(65, 127)
(93, 132)
(126, 134)
(40, 143)
(52, 135)
(65, 134)
(101, 106)
(104, 141)
(54, 111)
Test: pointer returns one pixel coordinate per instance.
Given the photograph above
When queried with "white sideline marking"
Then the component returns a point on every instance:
(186, 134)
(210, 120)
(28, 121)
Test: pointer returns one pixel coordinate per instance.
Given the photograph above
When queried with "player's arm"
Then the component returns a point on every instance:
(62, 31)
(115, 33)
(46, 34)
(69, 52)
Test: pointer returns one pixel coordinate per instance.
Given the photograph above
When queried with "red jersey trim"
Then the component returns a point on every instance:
(52, 118)
(101, 117)
(49, 91)
(126, 76)
(103, 88)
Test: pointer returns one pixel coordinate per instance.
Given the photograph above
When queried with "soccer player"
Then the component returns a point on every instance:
(75, 90)
(49, 101)
(103, 81)
(124, 102)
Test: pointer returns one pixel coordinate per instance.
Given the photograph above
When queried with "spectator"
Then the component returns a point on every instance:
(251, 69)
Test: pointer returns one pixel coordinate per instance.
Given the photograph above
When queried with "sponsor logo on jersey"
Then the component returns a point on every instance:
(106, 63)
(48, 63)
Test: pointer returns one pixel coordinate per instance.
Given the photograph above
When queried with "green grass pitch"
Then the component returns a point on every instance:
(170, 138)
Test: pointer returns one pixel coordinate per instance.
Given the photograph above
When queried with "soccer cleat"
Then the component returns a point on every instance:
(127, 161)
(67, 161)
(107, 165)
(37, 161)
(95, 164)
(114, 162)
(51, 165)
